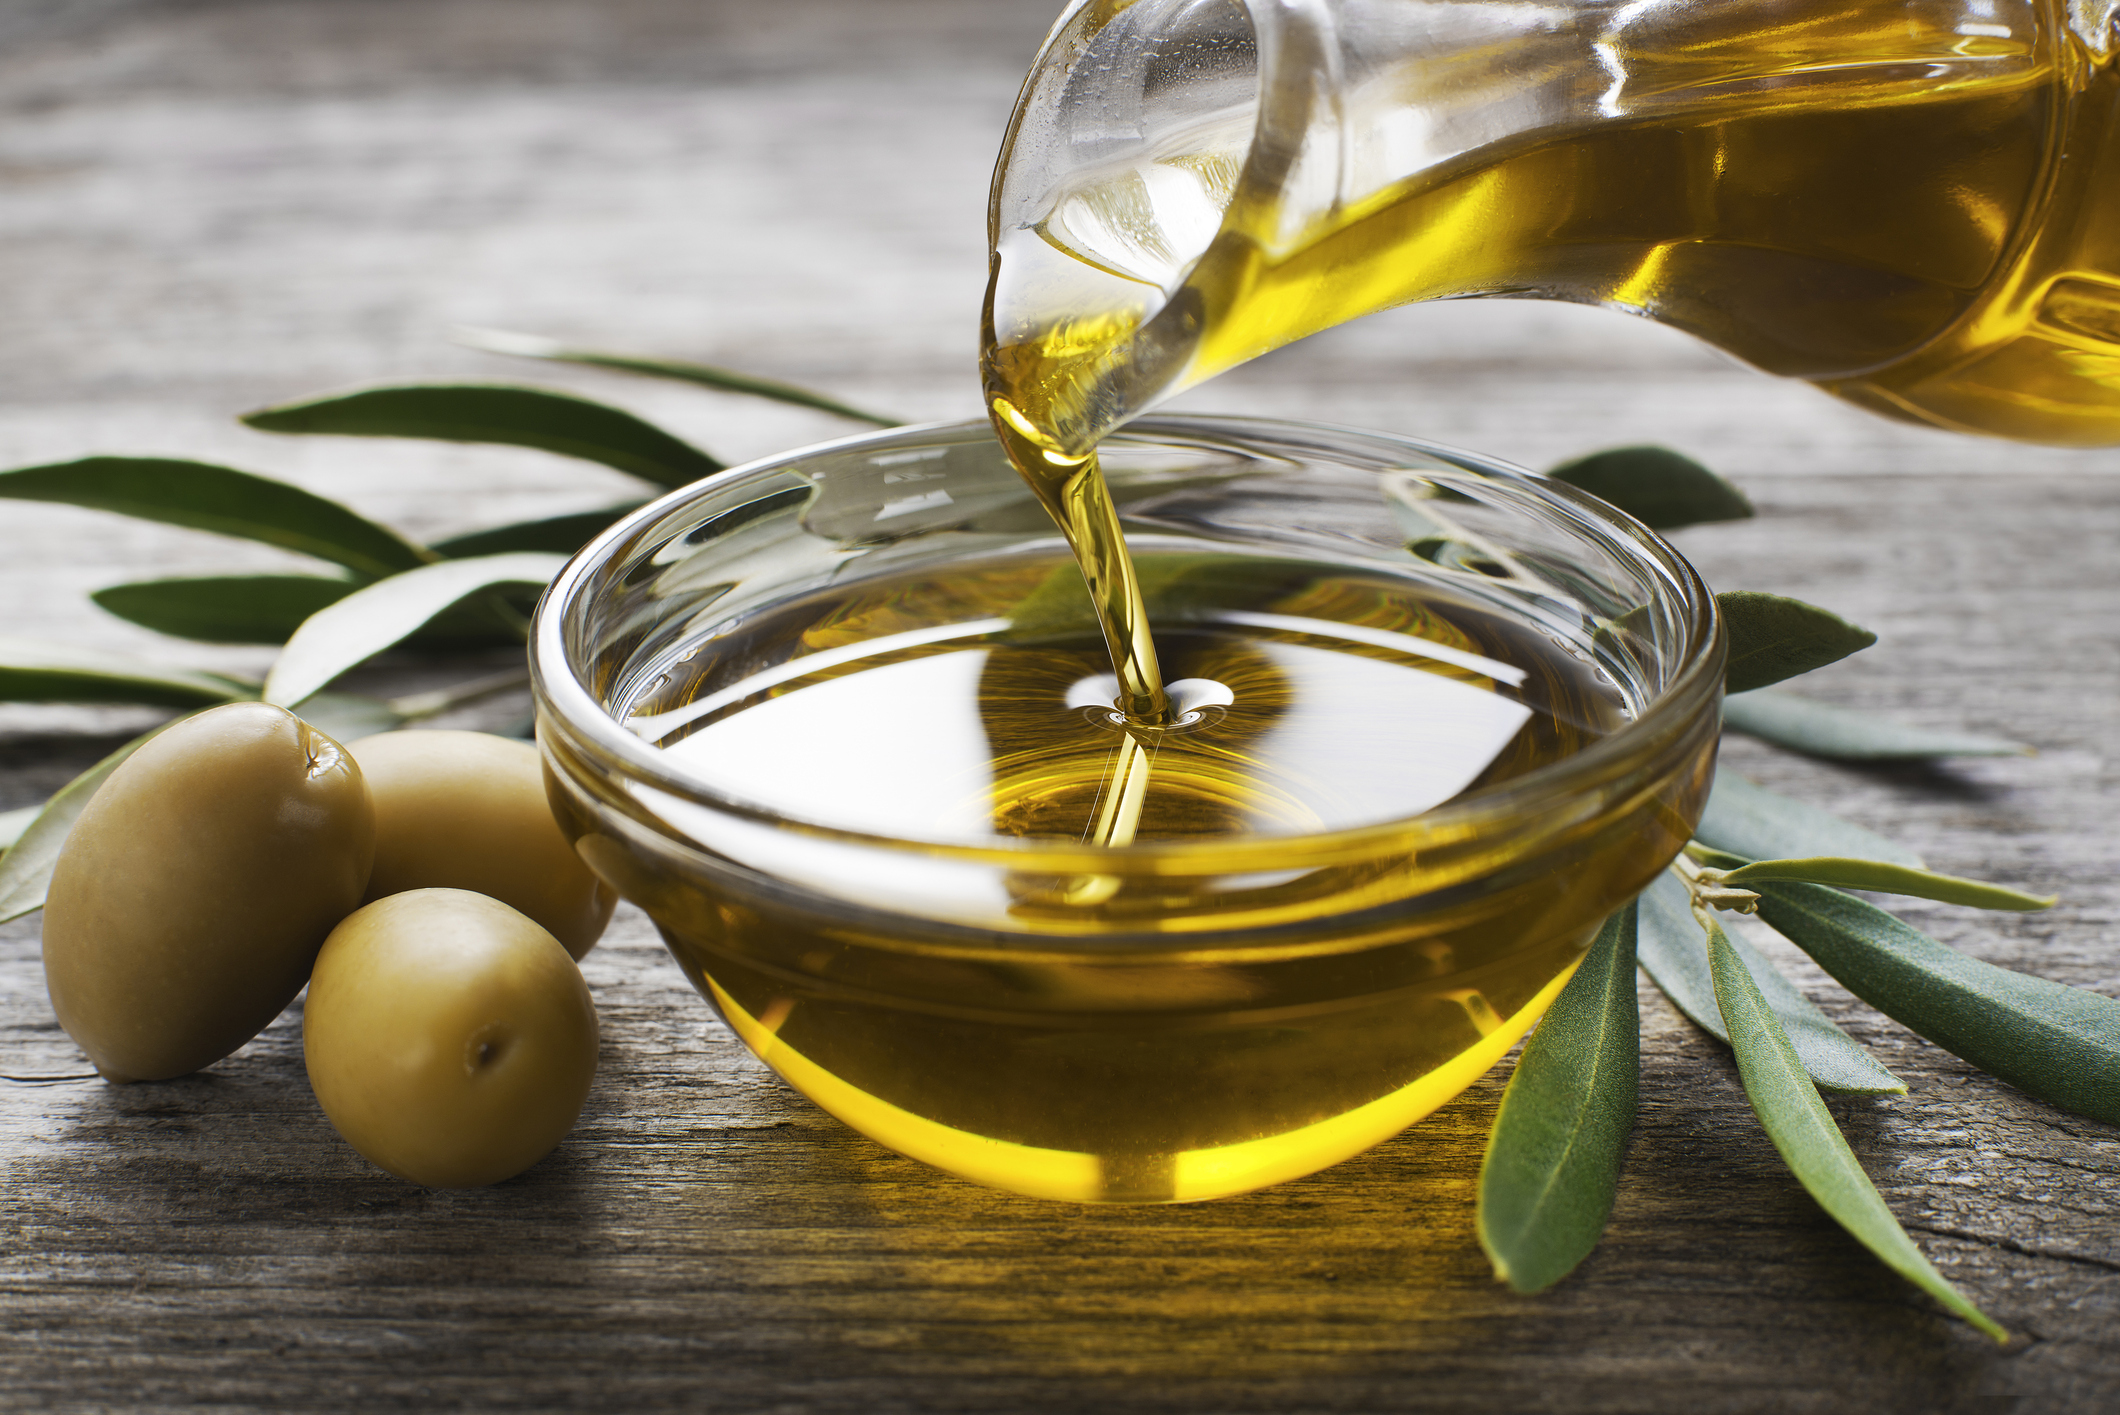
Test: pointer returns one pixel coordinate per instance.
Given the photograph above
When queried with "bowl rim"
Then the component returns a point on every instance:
(564, 701)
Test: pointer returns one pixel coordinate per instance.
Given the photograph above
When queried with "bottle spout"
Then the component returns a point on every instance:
(1122, 158)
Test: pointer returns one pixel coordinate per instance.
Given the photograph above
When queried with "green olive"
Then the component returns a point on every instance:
(467, 810)
(191, 896)
(449, 1038)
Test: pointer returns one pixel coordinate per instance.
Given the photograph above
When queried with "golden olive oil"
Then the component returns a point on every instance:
(980, 705)
(976, 706)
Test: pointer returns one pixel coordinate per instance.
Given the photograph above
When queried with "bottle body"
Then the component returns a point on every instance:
(2037, 355)
(1915, 206)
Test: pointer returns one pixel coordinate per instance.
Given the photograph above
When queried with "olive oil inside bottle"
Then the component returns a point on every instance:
(1940, 242)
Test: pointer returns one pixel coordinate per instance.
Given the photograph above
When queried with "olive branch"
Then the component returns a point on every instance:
(1559, 1139)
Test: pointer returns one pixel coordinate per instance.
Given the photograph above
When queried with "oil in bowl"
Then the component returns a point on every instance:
(843, 724)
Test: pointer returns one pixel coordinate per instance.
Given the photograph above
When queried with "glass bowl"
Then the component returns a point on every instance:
(1182, 1017)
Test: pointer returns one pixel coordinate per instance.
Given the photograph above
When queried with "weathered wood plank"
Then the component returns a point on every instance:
(222, 204)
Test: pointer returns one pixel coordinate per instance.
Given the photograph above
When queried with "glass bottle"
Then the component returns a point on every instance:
(1914, 204)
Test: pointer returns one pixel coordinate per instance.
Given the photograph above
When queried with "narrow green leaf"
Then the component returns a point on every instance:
(345, 717)
(13, 823)
(1674, 953)
(1711, 858)
(1553, 1159)
(555, 535)
(267, 609)
(2060, 1043)
(1760, 824)
(1656, 486)
(1773, 637)
(495, 620)
(231, 609)
(516, 417)
(33, 671)
(1888, 879)
(413, 707)
(531, 346)
(373, 619)
(220, 499)
(26, 868)
(1823, 730)
(1801, 1127)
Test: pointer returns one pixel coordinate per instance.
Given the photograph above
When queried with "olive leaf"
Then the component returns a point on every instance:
(13, 823)
(345, 717)
(267, 609)
(2060, 1043)
(517, 417)
(556, 535)
(1801, 1127)
(224, 609)
(373, 619)
(1553, 1157)
(1882, 877)
(26, 868)
(531, 346)
(1674, 954)
(1758, 824)
(413, 707)
(1823, 730)
(221, 499)
(1662, 489)
(35, 671)
(1773, 637)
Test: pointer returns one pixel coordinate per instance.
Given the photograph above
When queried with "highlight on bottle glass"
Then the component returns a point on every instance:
(843, 724)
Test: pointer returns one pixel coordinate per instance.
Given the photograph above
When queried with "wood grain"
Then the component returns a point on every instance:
(212, 206)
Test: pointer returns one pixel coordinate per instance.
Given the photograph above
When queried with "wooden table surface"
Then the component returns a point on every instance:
(214, 205)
